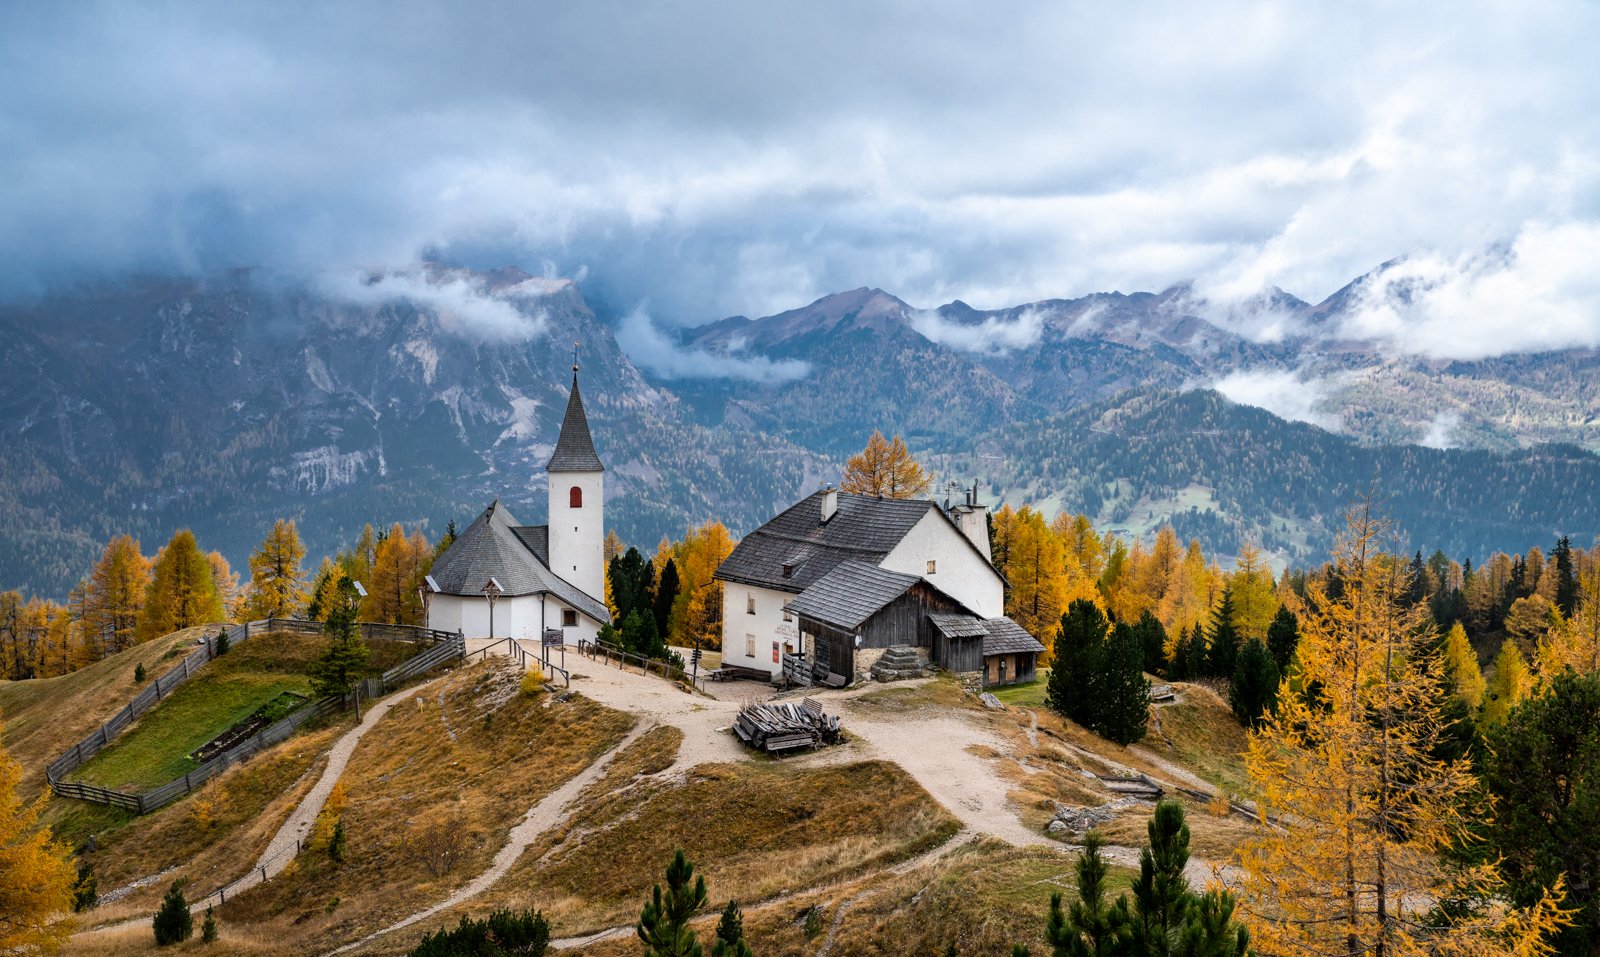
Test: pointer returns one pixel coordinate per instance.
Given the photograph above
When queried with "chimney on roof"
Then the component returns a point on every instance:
(972, 518)
(830, 502)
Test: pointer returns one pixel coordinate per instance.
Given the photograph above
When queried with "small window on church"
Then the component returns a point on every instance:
(575, 497)
(749, 646)
(750, 604)
(569, 618)
(933, 566)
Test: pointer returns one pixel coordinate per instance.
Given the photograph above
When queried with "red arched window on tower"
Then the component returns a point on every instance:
(575, 497)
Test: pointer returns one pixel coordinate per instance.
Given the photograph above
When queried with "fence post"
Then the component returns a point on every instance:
(186, 788)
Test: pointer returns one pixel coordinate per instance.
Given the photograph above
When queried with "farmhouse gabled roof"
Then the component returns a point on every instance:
(516, 556)
(1006, 637)
(865, 528)
(575, 446)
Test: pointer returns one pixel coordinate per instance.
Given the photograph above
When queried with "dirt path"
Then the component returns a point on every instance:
(542, 817)
(701, 719)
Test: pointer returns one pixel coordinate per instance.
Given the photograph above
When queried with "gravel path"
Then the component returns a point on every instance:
(701, 719)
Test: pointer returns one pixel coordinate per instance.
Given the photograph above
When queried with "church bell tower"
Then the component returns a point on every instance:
(577, 502)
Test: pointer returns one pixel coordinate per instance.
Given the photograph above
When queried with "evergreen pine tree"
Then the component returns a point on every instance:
(1224, 639)
(208, 928)
(1122, 706)
(730, 934)
(1211, 930)
(1088, 928)
(1199, 654)
(666, 594)
(336, 843)
(138, 673)
(1566, 580)
(1283, 637)
(344, 660)
(223, 643)
(1253, 687)
(1079, 647)
(1161, 901)
(1179, 669)
(173, 923)
(1153, 640)
(664, 924)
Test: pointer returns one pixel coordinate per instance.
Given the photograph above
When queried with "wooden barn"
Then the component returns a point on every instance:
(849, 617)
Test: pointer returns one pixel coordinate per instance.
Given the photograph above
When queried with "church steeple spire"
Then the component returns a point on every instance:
(575, 447)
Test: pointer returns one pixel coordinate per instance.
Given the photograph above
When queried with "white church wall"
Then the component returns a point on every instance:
(959, 571)
(517, 617)
(765, 633)
(577, 535)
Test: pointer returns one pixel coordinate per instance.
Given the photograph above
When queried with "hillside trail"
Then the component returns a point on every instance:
(541, 818)
(285, 844)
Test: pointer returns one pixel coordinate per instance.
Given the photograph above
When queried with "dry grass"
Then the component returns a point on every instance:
(477, 750)
(231, 942)
(754, 831)
(1201, 733)
(942, 691)
(45, 716)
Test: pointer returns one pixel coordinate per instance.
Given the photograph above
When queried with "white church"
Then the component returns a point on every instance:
(501, 579)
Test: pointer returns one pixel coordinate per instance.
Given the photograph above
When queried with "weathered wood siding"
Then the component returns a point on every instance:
(1018, 668)
(903, 621)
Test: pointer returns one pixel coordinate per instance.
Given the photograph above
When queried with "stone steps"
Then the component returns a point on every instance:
(897, 664)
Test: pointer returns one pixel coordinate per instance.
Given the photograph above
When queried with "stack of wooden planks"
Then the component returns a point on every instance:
(776, 727)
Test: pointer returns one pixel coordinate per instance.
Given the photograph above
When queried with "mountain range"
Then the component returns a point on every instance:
(222, 402)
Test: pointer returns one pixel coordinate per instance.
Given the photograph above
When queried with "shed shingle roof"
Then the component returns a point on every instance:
(850, 594)
(1006, 637)
(958, 626)
(865, 528)
(575, 446)
(495, 546)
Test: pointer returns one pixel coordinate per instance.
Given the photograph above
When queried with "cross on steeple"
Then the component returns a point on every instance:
(575, 347)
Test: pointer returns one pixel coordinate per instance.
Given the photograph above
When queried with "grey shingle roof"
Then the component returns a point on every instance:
(865, 528)
(958, 626)
(850, 594)
(495, 546)
(575, 446)
(1006, 637)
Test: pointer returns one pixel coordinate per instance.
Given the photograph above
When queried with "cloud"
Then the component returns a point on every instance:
(730, 158)
(1441, 431)
(1287, 395)
(462, 304)
(649, 347)
(991, 336)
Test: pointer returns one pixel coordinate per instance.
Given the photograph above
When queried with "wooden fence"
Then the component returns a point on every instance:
(446, 647)
(610, 652)
(522, 657)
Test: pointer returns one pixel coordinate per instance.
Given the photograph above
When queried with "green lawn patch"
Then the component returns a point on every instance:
(1027, 695)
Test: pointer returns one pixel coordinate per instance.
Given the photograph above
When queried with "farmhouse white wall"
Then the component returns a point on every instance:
(766, 626)
(960, 572)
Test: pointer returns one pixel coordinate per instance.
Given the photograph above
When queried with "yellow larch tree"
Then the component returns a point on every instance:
(696, 615)
(36, 875)
(885, 467)
(1530, 619)
(226, 581)
(1461, 666)
(398, 566)
(278, 586)
(1508, 686)
(1081, 542)
(1036, 568)
(1255, 600)
(114, 595)
(1585, 621)
(182, 592)
(1365, 807)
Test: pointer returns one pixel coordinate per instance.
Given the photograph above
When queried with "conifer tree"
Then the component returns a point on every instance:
(343, 661)
(277, 580)
(885, 467)
(1089, 926)
(1122, 707)
(1283, 636)
(1075, 678)
(1223, 645)
(730, 934)
(664, 924)
(208, 928)
(173, 923)
(1161, 899)
(1543, 767)
(1036, 568)
(1153, 640)
(1179, 669)
(1253, 687)
(1373, 820)
(399, 563)
(182, 591)
(697, 610)
(666, 594)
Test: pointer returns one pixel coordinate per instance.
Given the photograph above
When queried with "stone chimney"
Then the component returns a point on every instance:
(830, 502)
(973, 520)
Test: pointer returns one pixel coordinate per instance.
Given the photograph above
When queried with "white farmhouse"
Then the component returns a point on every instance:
(543, 577)
(842, 578)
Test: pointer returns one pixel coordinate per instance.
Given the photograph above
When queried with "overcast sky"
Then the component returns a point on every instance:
(706, 159)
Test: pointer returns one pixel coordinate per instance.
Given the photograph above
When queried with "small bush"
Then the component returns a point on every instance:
(223, 644)
(813, 922)
(503, 933)
(86, 893)
(532, 681)
(138, 673)
(173, 923)
(336, 844)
